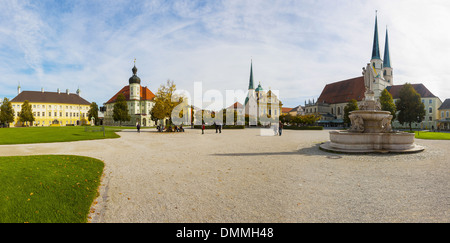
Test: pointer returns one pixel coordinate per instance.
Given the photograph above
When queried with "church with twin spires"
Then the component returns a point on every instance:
(378, 73)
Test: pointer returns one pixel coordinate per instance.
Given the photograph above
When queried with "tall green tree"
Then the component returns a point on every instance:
(26, 114)
(93, 112)
(410, 106)
(387, 103)
(165, 102)
(120, 110)
(6, 112)
(352, 105)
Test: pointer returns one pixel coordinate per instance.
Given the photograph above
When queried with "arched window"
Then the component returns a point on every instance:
(430, 110)
(339, 110)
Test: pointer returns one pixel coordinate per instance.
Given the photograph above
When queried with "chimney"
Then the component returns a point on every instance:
(42, 89)
(59, 91)
(67, 91)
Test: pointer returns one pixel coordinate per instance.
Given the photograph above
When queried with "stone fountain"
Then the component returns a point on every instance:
(371, 131)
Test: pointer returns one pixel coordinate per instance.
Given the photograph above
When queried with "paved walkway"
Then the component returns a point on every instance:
(241, 176)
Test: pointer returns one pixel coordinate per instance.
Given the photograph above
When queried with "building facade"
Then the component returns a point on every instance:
(261, 104)
(378, 74)
(140, 101)
(444, 116)
(52, 108)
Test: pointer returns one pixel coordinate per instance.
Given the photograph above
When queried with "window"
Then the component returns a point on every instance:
(447, 114)
(430, 101)
(67, 114)
(50, 114)
(430, 118)
(56, 114)
(430, 110)
(39, 113)
(442, 114)
(60, 114)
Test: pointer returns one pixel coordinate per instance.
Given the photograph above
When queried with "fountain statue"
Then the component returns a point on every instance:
(370, 130)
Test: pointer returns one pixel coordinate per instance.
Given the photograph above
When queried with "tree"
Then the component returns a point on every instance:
(120, 110)
(164, 102)
(93, 112)
(387, 103)
(26, 114)
(352, 105)
(410, 107)
(6, 112)
(310, 119)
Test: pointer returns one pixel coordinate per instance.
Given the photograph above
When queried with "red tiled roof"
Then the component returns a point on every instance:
(420, 88)
(343, 91)
(146, 94)
(285, 109)
(236, 105)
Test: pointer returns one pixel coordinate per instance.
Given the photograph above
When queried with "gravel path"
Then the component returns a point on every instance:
(241, 176)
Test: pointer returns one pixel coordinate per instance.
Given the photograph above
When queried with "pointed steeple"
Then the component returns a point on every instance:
(387, 59)
(250, 85)
(376, 46)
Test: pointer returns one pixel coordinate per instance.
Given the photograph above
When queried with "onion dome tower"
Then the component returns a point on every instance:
(135, 84)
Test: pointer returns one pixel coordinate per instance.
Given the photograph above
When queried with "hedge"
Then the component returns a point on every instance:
(223, 127)
(304, 127)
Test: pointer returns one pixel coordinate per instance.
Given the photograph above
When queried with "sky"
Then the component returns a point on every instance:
(296, 46)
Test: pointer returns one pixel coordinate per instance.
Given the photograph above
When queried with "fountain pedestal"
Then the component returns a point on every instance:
(371, 131)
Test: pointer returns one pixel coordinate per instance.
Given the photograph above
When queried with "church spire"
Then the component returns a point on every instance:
(387, 59)
(250, 85)
(376, 46)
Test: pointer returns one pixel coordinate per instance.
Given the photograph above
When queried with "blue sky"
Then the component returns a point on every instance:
(297, 47)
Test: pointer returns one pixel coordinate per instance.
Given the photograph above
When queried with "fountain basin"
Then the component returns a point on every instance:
(351, 142)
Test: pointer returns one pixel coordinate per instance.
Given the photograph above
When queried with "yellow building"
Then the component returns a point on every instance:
(444, 118)
(52, 108)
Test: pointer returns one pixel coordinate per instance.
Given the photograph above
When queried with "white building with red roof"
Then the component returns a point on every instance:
(140, 101)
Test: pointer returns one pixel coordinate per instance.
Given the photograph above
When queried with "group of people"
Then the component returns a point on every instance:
(217, 126)
(161, 128)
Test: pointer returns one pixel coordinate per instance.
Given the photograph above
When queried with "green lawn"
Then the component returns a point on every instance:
(433, 135)
(24, 135)
(48, 188)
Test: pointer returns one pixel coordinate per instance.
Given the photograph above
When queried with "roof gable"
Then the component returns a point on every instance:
(145, 93)
(420, 88)
(445, 105)
(343, 91)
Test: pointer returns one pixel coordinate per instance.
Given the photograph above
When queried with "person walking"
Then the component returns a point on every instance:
(203, 127)
(138, 126)
(280, 128)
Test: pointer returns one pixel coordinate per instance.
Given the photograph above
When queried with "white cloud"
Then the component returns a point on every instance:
(297, 46)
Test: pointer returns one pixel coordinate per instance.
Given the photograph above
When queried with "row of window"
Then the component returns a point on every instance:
(447, 114)
(55, 106)
(68, 114)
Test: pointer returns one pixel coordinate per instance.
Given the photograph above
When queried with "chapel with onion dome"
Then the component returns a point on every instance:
(140, 101)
